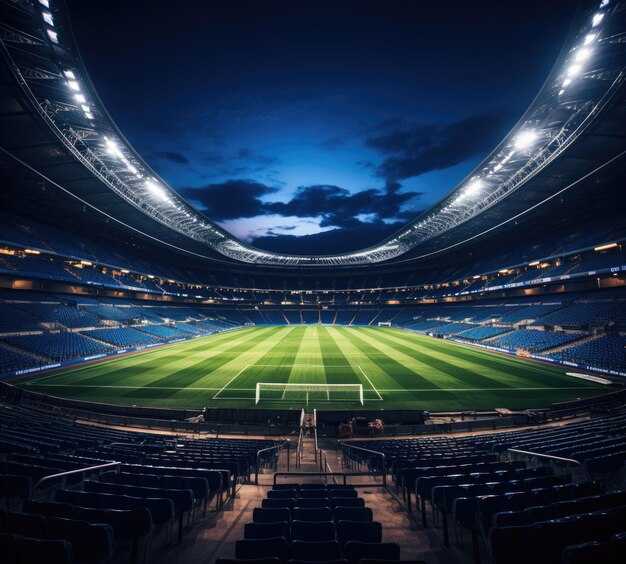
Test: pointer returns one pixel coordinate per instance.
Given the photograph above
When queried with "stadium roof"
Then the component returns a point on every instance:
(54, 125)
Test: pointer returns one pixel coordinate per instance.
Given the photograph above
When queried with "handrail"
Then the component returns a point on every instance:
(258, 452)
(552, 457)
(381, 454)
(74, 472)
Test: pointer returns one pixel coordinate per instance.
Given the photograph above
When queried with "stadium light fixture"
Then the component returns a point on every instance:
(525, 139)
(73, 84)
(45, 3)
(88, 115)
(474, 187)
(605, 247)
(80, 98)
(589, 38)
(574, 69)
(582, 54)
(155, 189)
(47, 17)
(69, 75)
(53, 36)
(113, 149)
(534, 263)
(597, 19)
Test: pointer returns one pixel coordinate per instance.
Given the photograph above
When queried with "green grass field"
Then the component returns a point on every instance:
(398, 369)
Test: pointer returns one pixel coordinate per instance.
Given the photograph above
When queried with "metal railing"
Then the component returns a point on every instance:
(576, 463)
(299, 445)
(258, 458)
(382, 456)
(315, 435)
(81, 471)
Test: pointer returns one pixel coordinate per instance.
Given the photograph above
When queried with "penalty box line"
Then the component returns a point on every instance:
(230, 381)
(370, 382)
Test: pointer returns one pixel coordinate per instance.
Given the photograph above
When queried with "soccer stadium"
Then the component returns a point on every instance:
(436, 377)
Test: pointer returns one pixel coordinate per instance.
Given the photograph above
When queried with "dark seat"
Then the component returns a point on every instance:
(347, 502)
(353, 514)
(343, 493)
(271, 514)
(275, 547)
(312, 503)
(355, 551)
(282, 494)
(255, 531)
(589, 552)
(25, 524)
(32, 551)
(320, 551)
(8, 548)
(312, 493)
(92, 542)
(359, 531)
(312, 514)
(278, 503)
(269, 560)
(312, 530)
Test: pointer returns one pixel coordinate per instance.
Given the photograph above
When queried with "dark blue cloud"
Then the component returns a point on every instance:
(417, 148)
(172, 156)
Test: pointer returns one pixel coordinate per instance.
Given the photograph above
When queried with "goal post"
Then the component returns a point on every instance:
(275, 391)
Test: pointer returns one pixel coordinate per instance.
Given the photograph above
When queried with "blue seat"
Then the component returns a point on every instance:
(312, 530)
(92, 542)
(355, 551)
(255, 531)
(320, 551)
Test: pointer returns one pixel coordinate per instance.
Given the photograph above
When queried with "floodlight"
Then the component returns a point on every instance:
(131, 168)
(597, 18)
(113, 149)
(52, 35)
(473, 187)
(45, 3)
(47, 17)
(582, 55)
(155, 189)
(88, 115)
(80, 98)
(561, 92)
(566, 82)
(574, 70)
(589, 38)
(73, 84)
(525, 139)
(69, 75)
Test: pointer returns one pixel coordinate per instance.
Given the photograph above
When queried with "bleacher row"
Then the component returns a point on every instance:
(36, 328)
(114, 262)
(515, 513)
(153, 493)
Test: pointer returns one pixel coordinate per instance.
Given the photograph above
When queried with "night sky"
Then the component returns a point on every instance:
(317, 126)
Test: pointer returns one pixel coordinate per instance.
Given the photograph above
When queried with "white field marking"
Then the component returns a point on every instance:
(115, 386)
(483, 389)
(229, 382)
(373, 387)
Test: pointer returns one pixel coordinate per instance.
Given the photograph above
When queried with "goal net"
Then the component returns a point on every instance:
(271, 391)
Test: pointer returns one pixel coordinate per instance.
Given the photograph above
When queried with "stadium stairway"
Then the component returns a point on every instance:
(564, 346)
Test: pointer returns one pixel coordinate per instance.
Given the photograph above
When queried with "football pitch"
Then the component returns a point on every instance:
(397, 369)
